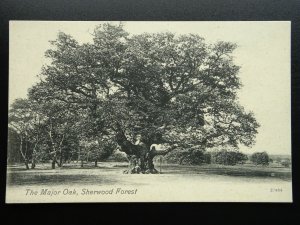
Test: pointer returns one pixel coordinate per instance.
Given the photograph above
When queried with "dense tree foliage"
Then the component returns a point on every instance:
(167, 88)
(226, 157)
(260, 158)
(189, 156)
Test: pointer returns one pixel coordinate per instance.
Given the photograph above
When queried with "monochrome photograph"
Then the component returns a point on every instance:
(149, 111)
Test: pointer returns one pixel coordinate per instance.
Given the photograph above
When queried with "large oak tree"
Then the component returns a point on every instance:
(167, 88)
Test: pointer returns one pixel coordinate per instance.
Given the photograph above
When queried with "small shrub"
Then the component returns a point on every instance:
(260, 158)
(226, 157)
(188, 157)
(286, 163)
(118, 157)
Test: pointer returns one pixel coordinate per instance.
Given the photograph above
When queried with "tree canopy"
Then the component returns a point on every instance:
(168, 88)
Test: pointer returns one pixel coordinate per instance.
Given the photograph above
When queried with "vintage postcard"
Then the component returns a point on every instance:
(123, 111)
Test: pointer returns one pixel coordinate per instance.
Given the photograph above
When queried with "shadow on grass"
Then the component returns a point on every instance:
(64, 179)
(101, 175)
(23, 169)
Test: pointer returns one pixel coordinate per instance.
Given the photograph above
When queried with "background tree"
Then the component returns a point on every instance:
(226, 157)
(58, 127)
(191, 156)
(13, 153)
(24, 122)
(260, 158)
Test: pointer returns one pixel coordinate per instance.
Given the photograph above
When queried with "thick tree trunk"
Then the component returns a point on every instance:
(33, 163)
(53, 163)
(138, 162)
(134, 165)
(140, 156)
(144, 163)
(150, 156)
(27, 164)
(60, 161)
(150, 164)
(96, 163)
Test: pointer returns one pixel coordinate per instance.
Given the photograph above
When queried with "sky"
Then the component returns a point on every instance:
(263, 53)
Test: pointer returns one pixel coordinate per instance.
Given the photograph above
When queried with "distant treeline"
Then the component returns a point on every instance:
(198, 157)
(224, 157)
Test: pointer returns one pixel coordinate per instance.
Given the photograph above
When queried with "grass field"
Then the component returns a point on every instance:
(199, 183)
